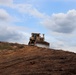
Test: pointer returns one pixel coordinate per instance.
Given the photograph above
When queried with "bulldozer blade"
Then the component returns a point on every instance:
(42, 45)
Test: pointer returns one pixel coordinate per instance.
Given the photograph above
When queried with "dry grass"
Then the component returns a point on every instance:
(10, 46)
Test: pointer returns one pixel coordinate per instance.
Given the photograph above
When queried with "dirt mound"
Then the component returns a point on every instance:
(16, 59)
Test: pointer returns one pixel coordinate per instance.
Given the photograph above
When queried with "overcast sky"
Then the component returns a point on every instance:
(55, 18)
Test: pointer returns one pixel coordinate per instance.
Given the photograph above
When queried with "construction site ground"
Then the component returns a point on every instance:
(17, 59)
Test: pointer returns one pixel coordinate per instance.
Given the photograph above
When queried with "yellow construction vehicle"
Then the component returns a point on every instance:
(37, 40)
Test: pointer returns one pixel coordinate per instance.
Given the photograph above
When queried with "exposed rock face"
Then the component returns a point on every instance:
(32, 60)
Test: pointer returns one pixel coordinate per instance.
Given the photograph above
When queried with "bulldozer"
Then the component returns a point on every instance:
(37, 40)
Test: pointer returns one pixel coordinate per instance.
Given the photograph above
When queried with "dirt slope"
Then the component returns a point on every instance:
(16, 59)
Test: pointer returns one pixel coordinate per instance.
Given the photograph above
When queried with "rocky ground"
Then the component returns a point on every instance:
(16, 59)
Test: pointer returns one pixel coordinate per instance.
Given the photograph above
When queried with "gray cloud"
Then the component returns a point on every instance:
(6, 2)
(28, 9)
(4, 16)
(8, 33)
(61, 23)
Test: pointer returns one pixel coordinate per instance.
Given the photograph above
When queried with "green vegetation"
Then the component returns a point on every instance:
(5, 46)
(10, 46)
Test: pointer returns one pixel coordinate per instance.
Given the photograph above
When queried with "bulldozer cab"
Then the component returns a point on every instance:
(33, 38)
(35, 35)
